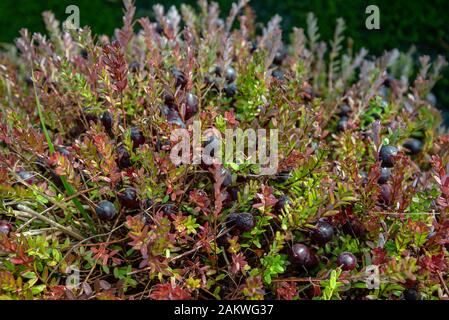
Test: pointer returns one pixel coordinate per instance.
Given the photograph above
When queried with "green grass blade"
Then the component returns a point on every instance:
(68, 187)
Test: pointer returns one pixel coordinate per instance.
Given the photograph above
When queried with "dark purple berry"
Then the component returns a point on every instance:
(342, 124)
(347, 261)
(124, 158)
(191, 105)
(210, 145)
(386, 155)
(312, 262)
(230, 90)
(385, 174)
(179, 77)
(29, 81)
(278, 74)
(89, 115)
(279, 57)
(242, 221)
(174, 118)
(230, 75)
(162, 144)
(159, 28)
(303, 256)
(169, 99)
(364, 177)
(283, 176)
(344, 110)
(282, 203)
(253, 46)
(105, 210)
(227, 177)
(128, 198)
(106, 120)
(389, 81)
(137, 137)
(413, 146)
(300, 253)
(63, 151)
(166, 208)
(147, 203)
(134, 66)
(5, 227)
(323, 232)
(28, 177)
(84, 54)
(217, 71)
(411, 294)
(234, 193)
(226, 199)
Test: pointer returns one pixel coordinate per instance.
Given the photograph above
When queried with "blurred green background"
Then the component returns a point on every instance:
(403, 22)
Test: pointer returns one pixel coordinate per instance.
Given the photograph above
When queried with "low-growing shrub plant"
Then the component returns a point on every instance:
(92, 207)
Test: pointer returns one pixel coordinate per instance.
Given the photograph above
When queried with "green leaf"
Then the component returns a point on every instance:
(38, 289)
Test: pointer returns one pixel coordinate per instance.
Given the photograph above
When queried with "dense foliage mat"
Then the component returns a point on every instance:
(93, 207)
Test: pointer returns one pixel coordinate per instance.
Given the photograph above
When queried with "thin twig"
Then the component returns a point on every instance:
(25, 209)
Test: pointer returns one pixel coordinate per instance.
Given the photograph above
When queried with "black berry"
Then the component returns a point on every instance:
(230, 90)
(300, 253)
(191, 105)
(347, 261)
(134, 66)
(364, 177)
(413, 146)
(322, 233)
(63, 151)
(105, 210)
(278, 74)
(124, 158)
(84, 54)
(5, 227)
(342, 124)
(128, 198)
(174, 118)
(147, 203)
(303, 256)
(28, 177)
(344, 110)
(137, 137)
(386, 155)
(411, 294)
(234, 193)
(89, 115)
(282, 203)
(227, 177)
(179, 77)
(230, 75)
(279, 57)
(210, 145)
(106, 120)
(283, 176)
(169, 99)
(242, 221)
(166, 208)
(217, 71)
(385, 174)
